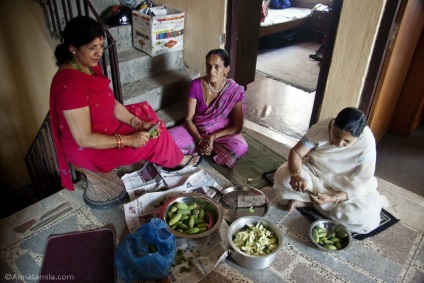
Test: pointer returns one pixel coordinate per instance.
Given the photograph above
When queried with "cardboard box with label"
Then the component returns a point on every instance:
(159, 31)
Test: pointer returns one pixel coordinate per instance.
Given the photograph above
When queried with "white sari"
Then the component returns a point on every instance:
(348, 169)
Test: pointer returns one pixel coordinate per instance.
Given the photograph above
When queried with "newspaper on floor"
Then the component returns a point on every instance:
(195, 258)
(151, 179)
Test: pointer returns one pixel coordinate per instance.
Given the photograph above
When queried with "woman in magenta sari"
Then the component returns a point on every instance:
(215, 114)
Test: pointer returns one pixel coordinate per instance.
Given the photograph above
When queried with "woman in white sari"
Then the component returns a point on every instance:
(332, 169)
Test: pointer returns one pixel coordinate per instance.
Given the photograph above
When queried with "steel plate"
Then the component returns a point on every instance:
(229, 203)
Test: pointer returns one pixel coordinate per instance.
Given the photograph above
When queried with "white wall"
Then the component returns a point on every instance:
(355, 39)
(204, 25)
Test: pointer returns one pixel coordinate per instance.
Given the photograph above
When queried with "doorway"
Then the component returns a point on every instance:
(283, 94)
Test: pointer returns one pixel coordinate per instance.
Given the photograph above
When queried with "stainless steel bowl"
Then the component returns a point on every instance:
(331, 227)
(250, 261)
(212, 210)
(233, 210)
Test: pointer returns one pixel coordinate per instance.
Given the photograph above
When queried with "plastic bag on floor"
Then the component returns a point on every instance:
(147, 253)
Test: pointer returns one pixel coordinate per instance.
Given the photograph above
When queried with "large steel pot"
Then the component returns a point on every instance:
(250, 261)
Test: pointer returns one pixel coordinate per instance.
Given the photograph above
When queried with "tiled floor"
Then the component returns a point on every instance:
(396, 255)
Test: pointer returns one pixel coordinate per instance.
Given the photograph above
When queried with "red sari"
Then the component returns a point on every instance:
(72, 89)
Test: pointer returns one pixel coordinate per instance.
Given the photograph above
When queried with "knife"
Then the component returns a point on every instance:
(53, 211)
(312, 193)
(153, 129)
(52, 217)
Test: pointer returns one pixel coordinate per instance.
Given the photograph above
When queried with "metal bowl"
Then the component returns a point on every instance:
(234, 210)
(331, 226)
(250, 261)
(213, 213)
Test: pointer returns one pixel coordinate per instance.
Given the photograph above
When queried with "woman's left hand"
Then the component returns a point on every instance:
(144, 126)
(321, 198)
(206, 146)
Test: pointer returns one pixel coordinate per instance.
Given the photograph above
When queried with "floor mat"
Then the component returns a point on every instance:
(249, 168)
(291, 64)
(85, 256)
(386, 219)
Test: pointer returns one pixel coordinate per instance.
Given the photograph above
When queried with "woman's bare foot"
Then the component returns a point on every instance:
(292, 204)
(189, 160)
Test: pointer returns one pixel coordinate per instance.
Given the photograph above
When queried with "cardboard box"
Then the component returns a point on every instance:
(159, 33)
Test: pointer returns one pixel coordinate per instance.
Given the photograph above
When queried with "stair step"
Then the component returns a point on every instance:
(135, 64)
(162, 80)
(173, 114)
(122, 35)
(161, 90)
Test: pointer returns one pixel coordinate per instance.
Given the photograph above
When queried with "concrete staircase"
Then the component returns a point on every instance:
(162, 80)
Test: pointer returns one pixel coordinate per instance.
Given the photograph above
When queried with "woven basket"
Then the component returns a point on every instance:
(104, 190)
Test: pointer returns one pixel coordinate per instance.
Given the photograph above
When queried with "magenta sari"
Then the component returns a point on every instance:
(227, 149)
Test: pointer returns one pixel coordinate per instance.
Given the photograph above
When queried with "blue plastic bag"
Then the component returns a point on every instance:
(136, 258)
(279, 4)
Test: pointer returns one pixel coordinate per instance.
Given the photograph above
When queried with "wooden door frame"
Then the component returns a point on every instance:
(381, 46)
(376, 61)
(336, 9)
(241, 30)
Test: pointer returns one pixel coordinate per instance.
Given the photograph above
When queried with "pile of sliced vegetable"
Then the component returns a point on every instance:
(255, 240)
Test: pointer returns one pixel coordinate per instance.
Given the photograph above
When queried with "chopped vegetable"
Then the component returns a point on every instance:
(251, 210)
(331, 240)
(255, 240)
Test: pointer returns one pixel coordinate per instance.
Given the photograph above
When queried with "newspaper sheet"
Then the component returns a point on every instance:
(149, 189)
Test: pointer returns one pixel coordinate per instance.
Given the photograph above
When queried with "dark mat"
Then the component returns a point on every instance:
(248, 169)
(386, 219)
(86, 256)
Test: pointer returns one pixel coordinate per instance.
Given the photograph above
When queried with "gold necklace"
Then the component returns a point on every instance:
(216, 91)
(78, 67)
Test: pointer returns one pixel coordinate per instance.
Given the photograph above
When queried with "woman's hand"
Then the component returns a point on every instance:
(143, 126)
(206, 145)
(298, 183)
(137, 139)
(322, 198)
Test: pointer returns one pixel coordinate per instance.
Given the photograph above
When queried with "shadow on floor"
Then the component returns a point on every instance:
(400, 160)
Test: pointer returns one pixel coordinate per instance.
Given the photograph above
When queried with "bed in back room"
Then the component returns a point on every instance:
(297, 15)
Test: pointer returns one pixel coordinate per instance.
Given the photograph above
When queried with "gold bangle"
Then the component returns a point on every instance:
(132, 119)
(337, 198)
(297, 174)
(200, 141)
(137, 127)
(119, 140)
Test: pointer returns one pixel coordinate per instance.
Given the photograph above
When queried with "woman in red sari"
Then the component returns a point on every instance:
(214, 119)
(90, 128)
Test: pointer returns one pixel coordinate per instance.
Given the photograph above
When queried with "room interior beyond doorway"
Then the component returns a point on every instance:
(278, 106)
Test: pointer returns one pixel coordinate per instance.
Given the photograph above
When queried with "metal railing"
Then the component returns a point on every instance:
(41, 159)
